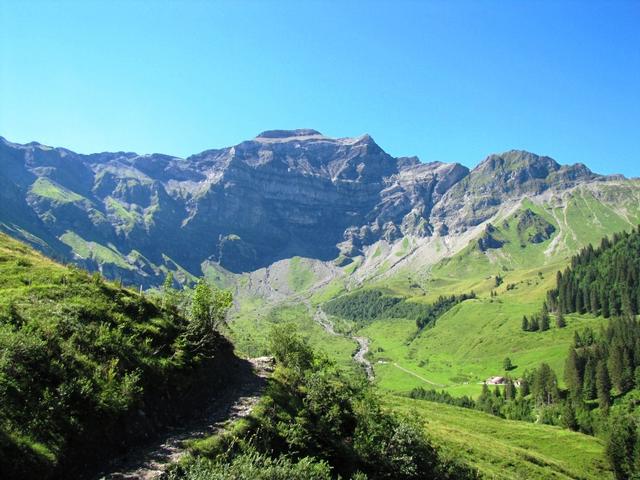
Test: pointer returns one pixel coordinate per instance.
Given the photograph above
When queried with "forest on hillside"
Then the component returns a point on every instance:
(602, 281)
(366, 306)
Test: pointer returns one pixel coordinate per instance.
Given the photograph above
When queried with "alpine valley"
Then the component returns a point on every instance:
(423, 273)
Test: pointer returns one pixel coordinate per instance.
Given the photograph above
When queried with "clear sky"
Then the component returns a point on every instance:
(449, 81)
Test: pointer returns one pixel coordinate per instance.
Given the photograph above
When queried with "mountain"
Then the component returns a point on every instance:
(444, 262)
(283, 194)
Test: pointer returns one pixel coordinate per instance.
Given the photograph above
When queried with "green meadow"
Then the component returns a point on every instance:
(504, 449)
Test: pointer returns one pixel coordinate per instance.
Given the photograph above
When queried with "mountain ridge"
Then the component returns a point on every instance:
(284, 193)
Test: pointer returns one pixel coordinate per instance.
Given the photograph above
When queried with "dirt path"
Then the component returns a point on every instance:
(150, 461)
(418, 376)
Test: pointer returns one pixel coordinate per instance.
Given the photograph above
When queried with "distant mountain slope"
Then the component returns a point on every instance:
(280, 195)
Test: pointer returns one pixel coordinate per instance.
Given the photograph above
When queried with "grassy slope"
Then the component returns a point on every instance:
(95, 251)
(503, 449)
(300, 275)
(43, 187)
(468, 344)
(252, 323)
(78, 358)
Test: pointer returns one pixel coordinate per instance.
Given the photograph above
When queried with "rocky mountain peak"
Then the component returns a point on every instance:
(516, 160)
(281, 194)
(289, 134)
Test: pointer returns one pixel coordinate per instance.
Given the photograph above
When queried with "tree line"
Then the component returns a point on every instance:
(602, 281)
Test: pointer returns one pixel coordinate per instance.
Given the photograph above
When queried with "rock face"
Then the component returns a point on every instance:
(282, 194)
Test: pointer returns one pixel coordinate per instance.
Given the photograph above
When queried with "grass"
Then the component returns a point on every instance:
(45, 188)
(301, 276)
(469, 343)
(251, 325)
(466, 346)
(333, 289)
(505, 449)
(129, 217)
(95, 251)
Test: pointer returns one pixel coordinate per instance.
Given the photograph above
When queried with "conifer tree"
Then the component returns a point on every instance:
(545, 385)
(589, 382)
(621, 447)
(603, 385)
(594, 301)
(544, 322)
(569, 419)
(573, 374)
(506, 364)
(534, 324)
(509, 389)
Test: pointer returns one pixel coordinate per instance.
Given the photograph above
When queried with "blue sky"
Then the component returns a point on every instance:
(449, 81)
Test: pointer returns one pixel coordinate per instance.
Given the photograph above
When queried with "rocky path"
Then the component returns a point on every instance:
(150, 461)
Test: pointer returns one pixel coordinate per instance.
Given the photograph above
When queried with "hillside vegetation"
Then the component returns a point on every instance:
(86, 365)
(365, 306)
(504, 449)
(602, 281)
(317, 421)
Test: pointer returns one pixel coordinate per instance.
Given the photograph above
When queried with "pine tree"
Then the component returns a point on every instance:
(614, 307)
(525, 323)
(484, 402)
(589, 382)
(578, 302)
(506, 364)
(560, 321)
(525, 387)
(509, 389)
(603, 385)
(616, 365)
(594, 301)
(626, 380)
(534, 324)
(621, 447)
(604, 302)
(573, 374)
(544, 322)
(585, 300)
(569, 419)
(545, 385)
